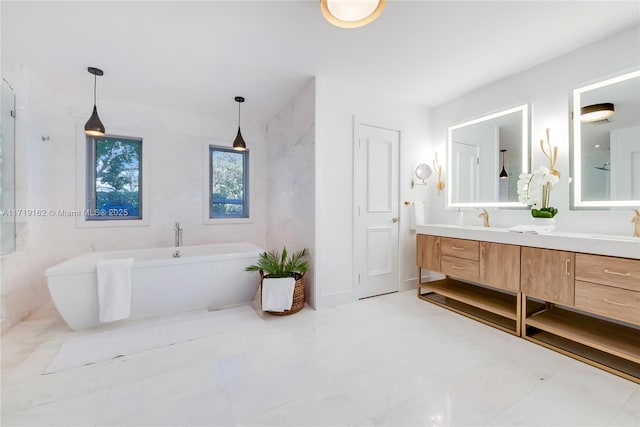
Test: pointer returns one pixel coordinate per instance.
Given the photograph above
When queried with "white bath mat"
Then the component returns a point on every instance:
(105, 345)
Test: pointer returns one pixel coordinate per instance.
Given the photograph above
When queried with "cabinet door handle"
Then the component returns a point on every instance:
(616, 273)
(566, 267)
(616, 303)
(457, 267)
(455, 248)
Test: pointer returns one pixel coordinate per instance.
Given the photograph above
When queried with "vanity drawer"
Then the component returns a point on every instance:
(616, 303)
(460, 248)
(611, 271)
(459, 267)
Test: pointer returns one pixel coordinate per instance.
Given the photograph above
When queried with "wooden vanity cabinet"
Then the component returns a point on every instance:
(608, 286)
(468, 265)
(582, 305)
(582, 293)
(460, 258)
(548, 275)
(499, 266)
(428, 252)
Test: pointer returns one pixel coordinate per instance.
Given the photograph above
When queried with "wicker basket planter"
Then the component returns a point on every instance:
(298, 295)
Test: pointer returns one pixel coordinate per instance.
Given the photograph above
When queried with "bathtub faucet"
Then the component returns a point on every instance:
(178, 234)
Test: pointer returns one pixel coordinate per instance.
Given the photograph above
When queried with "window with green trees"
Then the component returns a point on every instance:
(114, 178)
(228, 183)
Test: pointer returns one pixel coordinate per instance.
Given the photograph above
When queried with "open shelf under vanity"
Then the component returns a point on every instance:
(614, 347)
(495, 308)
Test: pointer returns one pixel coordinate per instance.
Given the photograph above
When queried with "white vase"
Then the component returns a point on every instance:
(548, 223)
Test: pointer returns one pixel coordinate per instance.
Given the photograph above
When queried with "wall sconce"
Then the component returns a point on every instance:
(503, 173)
(350, 13)
(596, 113)
(94, 126)
(422, 172)
(438, 168)
(239, 144)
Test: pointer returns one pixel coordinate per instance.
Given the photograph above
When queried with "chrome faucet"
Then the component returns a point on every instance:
(485, 217)
(178, 234)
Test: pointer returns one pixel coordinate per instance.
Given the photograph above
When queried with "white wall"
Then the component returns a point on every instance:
(23, 289)
(337, 104)
(50, 175)
(291, 179)
(548, 88)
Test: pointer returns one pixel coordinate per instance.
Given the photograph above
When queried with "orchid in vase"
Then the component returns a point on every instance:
(534, 189)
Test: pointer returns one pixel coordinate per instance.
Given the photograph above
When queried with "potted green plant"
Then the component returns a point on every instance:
(274, 264)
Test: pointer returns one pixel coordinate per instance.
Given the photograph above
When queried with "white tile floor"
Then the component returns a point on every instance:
(391, 360)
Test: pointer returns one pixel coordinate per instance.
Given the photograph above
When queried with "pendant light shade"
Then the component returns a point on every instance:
(503, 173)
(596, 112)
(238, 143)
(351, 13)
(94, 126)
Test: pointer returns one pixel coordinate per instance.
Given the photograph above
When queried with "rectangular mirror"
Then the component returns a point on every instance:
(485, 156)
(606, 143)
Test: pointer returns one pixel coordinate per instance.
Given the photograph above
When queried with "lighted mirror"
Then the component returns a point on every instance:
(485, 156)
(606, 143)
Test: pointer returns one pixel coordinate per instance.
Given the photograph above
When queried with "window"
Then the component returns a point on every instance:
(114, 178)
(228, 183)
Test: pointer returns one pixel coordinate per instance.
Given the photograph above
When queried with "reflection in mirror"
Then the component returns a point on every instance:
(480, 150)
(606, 143)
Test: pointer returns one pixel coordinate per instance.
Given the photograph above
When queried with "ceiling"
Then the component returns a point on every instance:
(196, 56)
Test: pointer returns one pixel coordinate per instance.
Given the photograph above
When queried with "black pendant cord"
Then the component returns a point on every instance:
(95, 80)
(239, 103)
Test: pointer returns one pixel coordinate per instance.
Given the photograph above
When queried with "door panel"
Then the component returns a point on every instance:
(379, 250)
(376, 210)
(379, 171)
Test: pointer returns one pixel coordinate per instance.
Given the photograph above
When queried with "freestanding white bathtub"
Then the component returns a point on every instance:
(207, 276)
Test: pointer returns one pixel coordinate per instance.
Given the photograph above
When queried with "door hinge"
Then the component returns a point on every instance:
(13, 114)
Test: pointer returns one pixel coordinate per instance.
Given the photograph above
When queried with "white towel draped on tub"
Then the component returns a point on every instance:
(114, 289)
(277, 294)
(417, 214)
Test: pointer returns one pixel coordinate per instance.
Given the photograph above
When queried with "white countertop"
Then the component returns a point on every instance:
(620, 246)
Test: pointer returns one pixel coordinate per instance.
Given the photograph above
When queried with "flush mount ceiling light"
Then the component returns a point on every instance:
(351, 13)
(239, 143)
(503, 174)
(94, 126)
(596, 112)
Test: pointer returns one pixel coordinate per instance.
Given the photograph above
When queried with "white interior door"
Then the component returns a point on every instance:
(625, 163)
(466, 168)
(376, 210)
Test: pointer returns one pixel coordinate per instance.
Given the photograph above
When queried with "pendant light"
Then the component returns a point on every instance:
(351, 13)
(503, 173)
(239, 144)
(94, 126)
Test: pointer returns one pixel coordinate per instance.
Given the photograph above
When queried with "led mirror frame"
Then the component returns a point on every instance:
(576, 199)
(524, 110)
